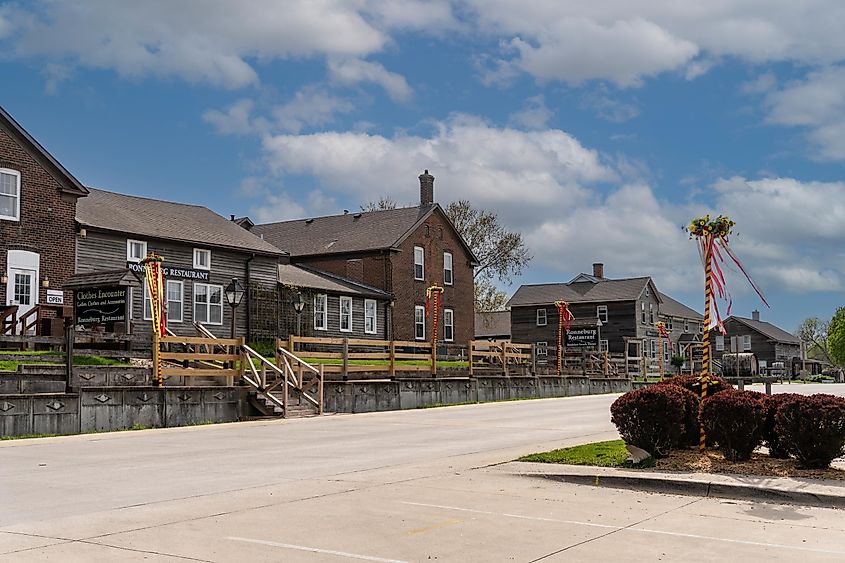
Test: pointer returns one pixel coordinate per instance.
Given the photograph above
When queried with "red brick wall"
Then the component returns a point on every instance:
(47, 219)
(375, 266)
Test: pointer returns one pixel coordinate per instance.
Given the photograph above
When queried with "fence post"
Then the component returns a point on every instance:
(434, 359)
(320, 387)
(346, 357)
(392, 353)
(533, 359)
(583, 362)
(157, 375)
(505, 358)
(469, 358)
(606, 364)
(70, 333)
(292, 344)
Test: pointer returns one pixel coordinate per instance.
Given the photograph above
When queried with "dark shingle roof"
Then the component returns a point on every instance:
(768, 330)
(102, 278)
(315, 279)
(672, 308)
(582, 292)
(488, 325)
(144, 217)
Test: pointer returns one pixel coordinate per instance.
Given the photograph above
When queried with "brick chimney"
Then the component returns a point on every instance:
(598, 270)
(426, 188)
(755, 315)
(355, 270)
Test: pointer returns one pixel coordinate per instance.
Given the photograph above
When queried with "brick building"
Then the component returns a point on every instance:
(400, 251)
(38, 199)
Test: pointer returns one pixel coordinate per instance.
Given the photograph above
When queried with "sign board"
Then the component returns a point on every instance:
(100, 305)
(183, 273)
(586, 337)
(55, 297)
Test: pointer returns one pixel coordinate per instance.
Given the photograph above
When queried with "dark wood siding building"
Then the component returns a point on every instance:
(766, 341)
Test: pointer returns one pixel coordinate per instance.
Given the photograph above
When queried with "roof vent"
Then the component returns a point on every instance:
(309, 221)
(346, 212)
(357, 215)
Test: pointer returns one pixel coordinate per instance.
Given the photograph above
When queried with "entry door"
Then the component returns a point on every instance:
(23, 288)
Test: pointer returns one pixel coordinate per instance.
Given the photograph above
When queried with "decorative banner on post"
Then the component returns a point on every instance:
(433, 303)
(564, 321)
(661, 330)
(712, 235)
(155, 287)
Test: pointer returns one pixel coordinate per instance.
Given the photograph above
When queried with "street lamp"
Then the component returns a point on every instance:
(298, 305)
(234, 296)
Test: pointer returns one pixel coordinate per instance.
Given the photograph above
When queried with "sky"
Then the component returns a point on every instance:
(598, 130)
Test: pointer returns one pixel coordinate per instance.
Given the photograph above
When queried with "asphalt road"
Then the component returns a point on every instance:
(400, 486)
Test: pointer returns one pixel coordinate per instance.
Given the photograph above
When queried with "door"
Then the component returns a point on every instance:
(22, 288)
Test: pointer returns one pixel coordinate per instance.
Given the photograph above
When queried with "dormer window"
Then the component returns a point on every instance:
(10, 194)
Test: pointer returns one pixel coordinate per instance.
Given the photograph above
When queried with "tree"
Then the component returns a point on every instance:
(381, 204)
(501, 254)
(813, 332)
(836, 337)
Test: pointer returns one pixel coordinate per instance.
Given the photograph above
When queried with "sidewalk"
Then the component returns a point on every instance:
(816, 492)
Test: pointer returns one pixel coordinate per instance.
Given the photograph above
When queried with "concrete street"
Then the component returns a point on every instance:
(417, 485)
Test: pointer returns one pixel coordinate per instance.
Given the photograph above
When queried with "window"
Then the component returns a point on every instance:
(321, 311)
(345, 314)
(448, 276)
(541, 350)
(419, 322)
(419, 263)
(720, 343)
(10, 194)
(667, 353)
(654, 348)
(202, 259)
(148, 307)
(700, 328)
(746, 342)
(686, 325)
(448, 325)
(601, 313)
(644, 351)
(603, 345)
(642, 313)
(370, 324)
(669, 323)
(542, 320)
(175, 291)
(651, 313)
(208, 303)
(136, 250)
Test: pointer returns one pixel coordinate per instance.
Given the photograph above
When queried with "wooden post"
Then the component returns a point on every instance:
(606, 364)
(292, 344)
(533, 359)
(70, 333)
(583, 362)
(285, 396)
(392, 352)
(505, 358)
(320, 388)
(346, 357)
(469, 350)
(157, 375)
(434, 359)
(705, 340)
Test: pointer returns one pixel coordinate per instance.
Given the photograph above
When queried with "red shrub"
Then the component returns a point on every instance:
(734, 419)
(691, 405)
(771, 437)
(649, 419)
(691, 382)
(812, 429)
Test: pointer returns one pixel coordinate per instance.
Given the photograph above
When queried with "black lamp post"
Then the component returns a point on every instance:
(234, 296)
(298, 305)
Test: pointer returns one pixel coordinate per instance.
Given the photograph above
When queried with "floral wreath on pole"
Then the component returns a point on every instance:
(661, 330)
(564, 321)
(712, 237)
(155, 287)
(433, 302)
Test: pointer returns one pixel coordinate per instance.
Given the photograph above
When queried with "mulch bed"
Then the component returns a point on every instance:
(760, 464)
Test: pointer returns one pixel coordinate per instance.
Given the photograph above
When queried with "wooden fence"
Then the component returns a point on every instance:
(352, 355)
(499, 355)
(199, 356)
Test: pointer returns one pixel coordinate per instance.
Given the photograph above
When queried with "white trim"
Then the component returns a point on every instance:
(541, 348)
(599, 310)
(17, 196)
(344, 299)
(604, 345)
(746, 342)
(146, 299)
(129, 243)
(324, 300)
(420, 263)
(450, 269)
(181, 300)
(545, 317)
(197, 265)
(208, 304)
(450, 313)
(374, 304)
(419, 313)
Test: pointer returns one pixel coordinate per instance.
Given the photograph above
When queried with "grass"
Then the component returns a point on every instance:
(601, 454)
(12, 365)
(338, 361)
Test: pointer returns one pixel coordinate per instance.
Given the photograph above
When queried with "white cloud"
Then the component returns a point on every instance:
(534, 114)
(235, 120)
(354, 71)
(311, 106)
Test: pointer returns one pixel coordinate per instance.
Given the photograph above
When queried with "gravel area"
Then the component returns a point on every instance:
(712, 461)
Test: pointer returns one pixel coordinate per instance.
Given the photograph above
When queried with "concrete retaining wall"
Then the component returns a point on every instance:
(373, 396)
(103, 409)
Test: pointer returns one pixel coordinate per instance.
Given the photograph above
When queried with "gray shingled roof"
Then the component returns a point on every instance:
(315, 279)
(582, 292)
(673, 308)
(768, 330)
(497, 323)
(152, 218)
(102, 278)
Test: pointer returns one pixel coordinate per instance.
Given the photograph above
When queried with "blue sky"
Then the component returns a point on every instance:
(597, 131)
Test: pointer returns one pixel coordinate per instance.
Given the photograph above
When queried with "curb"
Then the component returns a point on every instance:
(708, 489)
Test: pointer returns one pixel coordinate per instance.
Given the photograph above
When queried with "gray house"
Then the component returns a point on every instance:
(684, 325)
(768, 342)
(202, 253)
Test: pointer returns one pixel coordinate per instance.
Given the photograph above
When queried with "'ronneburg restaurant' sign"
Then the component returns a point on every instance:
(100, 305)
(168, 272)
(586, 337)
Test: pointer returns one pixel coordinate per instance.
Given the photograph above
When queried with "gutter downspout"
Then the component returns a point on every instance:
(248, 298)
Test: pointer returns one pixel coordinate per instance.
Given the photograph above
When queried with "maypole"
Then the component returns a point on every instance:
(155, 288)
(433, 302)
(661, 329)
(564, 321)
(712, 237)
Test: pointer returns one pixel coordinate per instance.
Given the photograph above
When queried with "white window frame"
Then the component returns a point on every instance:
(448, 325)
(344, 299)
(129, 243)
(686, 326)
(700, 328)
(599, 310)
(450, 269)
(669, 323)
(200, 252)
(651, 313)
(644, 350)
(419, 262)
(667, 353)
(653, 349)
(17, 196)
(603, 345)
(720, 343)
(210, 288)
(545, 317)
(642, 313)
(146, 313)
(419, 313)
(370, 314)
(746, 342)
(181, 300)
(541, 349)
(321, 313)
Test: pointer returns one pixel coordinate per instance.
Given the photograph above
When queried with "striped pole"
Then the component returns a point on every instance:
(705, 341)
(559, 338)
